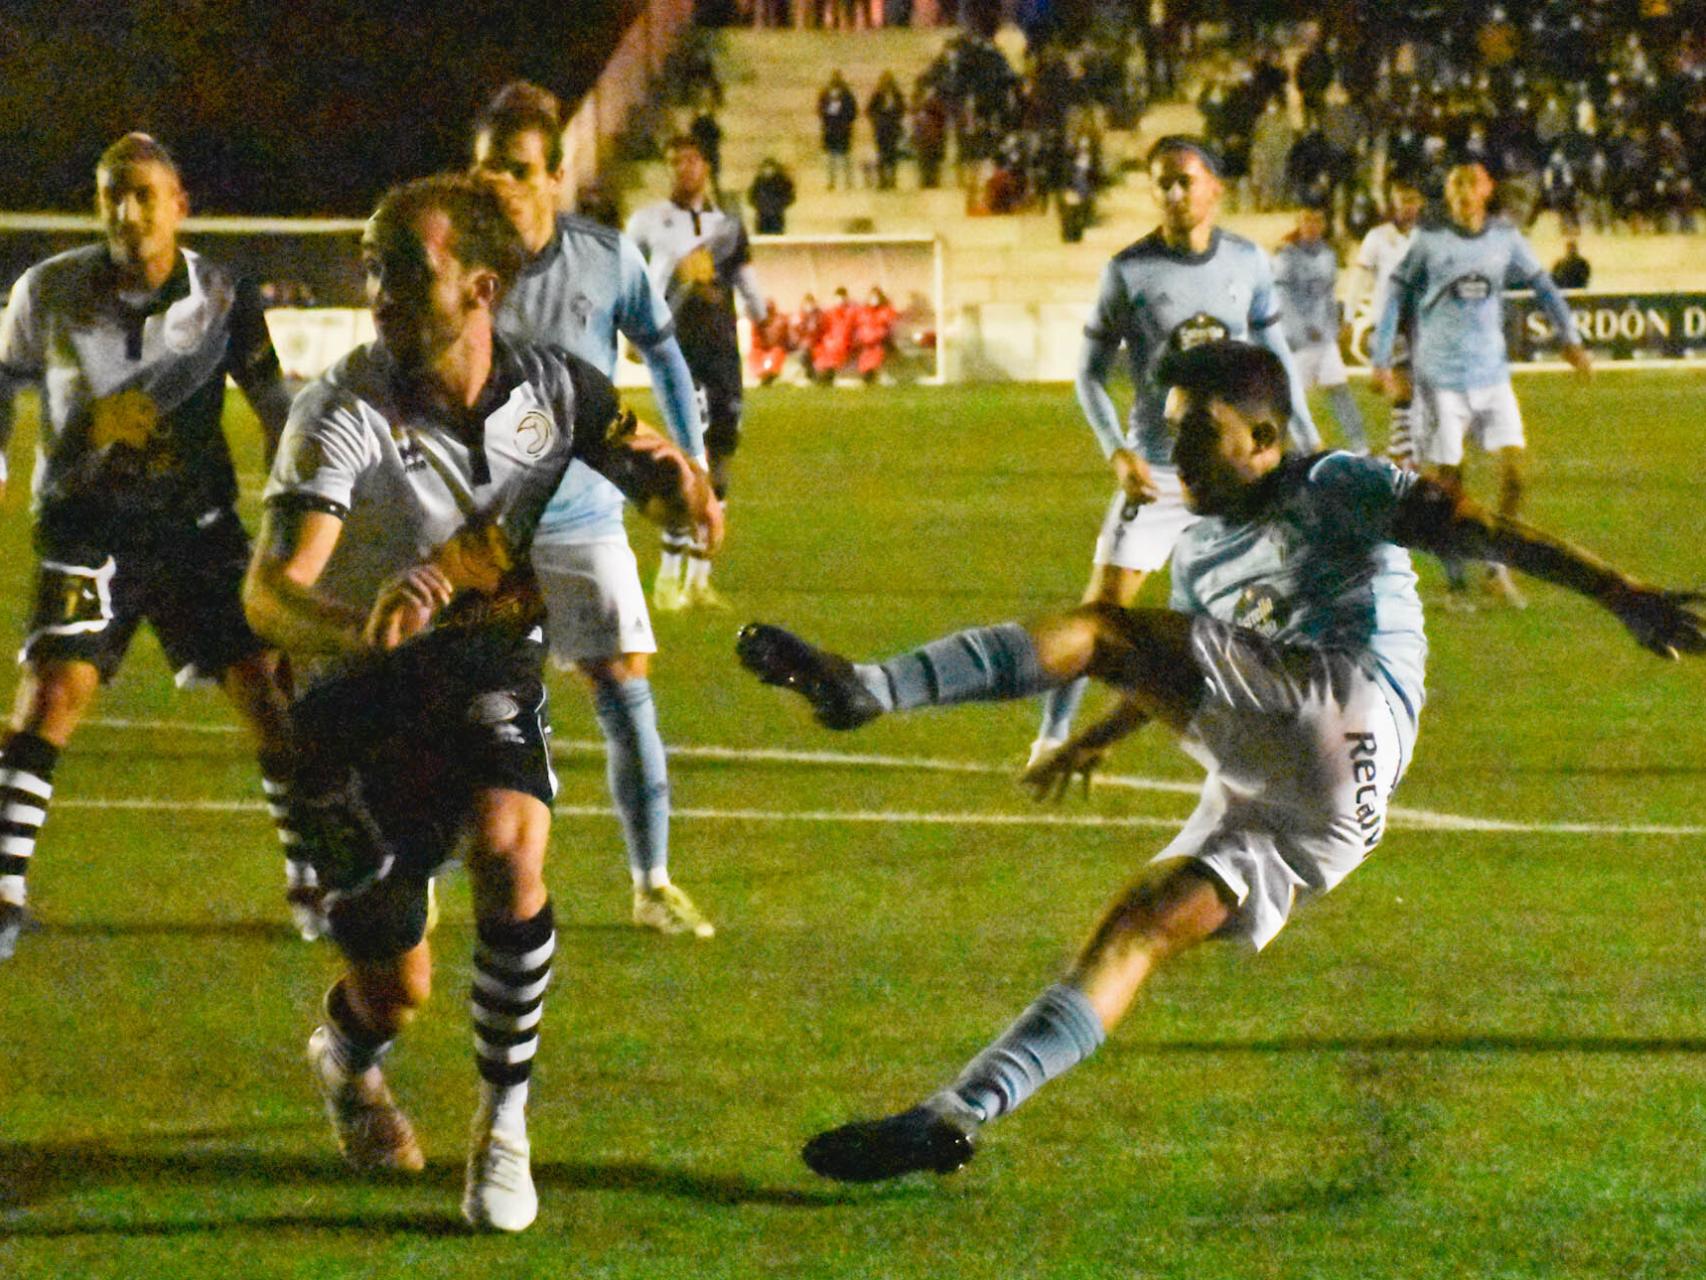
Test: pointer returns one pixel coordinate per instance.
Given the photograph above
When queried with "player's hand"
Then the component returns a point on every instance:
(1050, 778)
(1661, 621)
(1386, 382)
(692, 501)
(1577, 357)
(1134, 477)
(405, 605)
(475, 558)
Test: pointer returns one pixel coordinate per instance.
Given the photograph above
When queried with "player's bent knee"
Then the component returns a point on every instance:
(505, 856)
(55, 697)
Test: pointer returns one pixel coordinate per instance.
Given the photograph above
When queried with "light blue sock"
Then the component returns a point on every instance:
(1060, 706)
(983, 664)
(639, 774)
(1054, 1035)
(1348, 416)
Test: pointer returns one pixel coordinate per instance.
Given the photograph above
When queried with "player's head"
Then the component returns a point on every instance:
(1227, 406)
(1186, 172)
(1311, 224)
(439, 253)
(688, 166)
(140, 198)
(518, 152)
(1407, 204)
(1468, 191)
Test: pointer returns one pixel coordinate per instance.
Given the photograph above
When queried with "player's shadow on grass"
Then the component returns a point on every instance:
(266, 930)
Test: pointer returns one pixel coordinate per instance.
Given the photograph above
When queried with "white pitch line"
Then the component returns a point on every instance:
(1399, 817)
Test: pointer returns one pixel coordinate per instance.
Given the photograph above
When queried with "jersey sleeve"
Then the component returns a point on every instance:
(325, 450)
(642, 315)
(1364, 492)
(1110, 318)
(1525, 272)
(250, 357)
(22, 353)
(1264, 298)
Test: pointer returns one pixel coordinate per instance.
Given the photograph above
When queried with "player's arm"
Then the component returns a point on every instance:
(296, 540)
(1265, 327)
(1103, 335)
(21, 357)
(1432, 518)
(643, 318)
(253, 363)
(1082, 754)
(1527, 273)
(1404, 287)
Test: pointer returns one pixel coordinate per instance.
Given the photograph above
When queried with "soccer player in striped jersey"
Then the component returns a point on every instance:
(584, 285)
(1291, 664)
(131, 341)
(698, 253)
(391, 565)
(1453, 277)
(1382, 249)
(1184, 283)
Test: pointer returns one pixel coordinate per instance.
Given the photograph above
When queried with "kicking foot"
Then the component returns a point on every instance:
(925, 1139)
(824, 679)
(499, 1193)
(372, 1131)
(670, 911)
(15, 922)
(1041, 749)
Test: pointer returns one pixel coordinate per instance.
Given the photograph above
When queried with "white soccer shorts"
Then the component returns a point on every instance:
(594, 604)
(1142, 537)
(1303, 748)
(1488, 414)
(1320, 365)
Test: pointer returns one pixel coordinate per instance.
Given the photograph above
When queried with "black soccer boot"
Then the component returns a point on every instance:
(826, 680)
(923, 1140)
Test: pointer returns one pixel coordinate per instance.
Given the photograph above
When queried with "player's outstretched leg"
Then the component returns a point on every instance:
(977, 665)
(1164, 912)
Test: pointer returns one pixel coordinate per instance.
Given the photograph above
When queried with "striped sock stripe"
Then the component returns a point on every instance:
(512, 969)
(23, 809)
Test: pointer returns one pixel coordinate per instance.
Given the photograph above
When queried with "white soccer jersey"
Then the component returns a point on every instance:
(403, 481)
(1383, 248)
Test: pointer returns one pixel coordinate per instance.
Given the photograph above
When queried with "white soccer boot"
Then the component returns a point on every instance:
(372, 1131)
(1501, 585)
(1041, 749)
(499, 1193)
(669, 910)
(669, 592)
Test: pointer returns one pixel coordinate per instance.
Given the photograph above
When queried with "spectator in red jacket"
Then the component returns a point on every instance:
(873, 333)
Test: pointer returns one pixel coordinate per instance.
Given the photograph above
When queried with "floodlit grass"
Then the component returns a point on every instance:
(1482, 1056)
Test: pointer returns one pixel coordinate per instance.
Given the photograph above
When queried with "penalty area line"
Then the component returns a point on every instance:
(1398, 818)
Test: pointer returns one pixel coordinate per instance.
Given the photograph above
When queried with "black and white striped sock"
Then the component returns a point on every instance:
(26, 786)
(512, 968)
(298, 871)
(354, 1047)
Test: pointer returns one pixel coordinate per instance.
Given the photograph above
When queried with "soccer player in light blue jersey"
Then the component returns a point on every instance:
(1291, 664)
(1306, 277)
(1184, 283)
(584, 285)
(1453, 279)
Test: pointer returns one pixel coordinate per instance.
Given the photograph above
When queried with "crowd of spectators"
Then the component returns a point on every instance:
(845, 336)
(1582, 107)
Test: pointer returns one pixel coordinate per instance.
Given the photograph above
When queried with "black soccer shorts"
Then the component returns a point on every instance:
(184, 582)
(424, 728)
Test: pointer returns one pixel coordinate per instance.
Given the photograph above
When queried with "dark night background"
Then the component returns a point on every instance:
(295, 107)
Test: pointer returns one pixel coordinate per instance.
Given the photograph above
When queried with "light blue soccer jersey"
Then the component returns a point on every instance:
(1154, 299)
(1304, 277)
(586, 286)
(1454, 283)
(1319, 567)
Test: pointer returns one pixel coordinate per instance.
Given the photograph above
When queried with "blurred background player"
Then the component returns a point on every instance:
(698, 253)
(131, 341)
(1291, 664)
(583, 285)
(1454, 277)
(421, 734)
(1382, 249)
(1306, 278)
(1185, 283)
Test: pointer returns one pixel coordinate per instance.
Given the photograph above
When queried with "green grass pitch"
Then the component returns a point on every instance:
(1484, 1055)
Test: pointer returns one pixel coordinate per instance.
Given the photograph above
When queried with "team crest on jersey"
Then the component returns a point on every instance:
(1261, 609)
(185, 325)
(1199, 329)
(534, 434)
(1472, 288)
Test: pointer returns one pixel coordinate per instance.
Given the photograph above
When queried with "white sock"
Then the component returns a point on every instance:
(505, 1106)
(698, 570)
(12, 890)
(672, 567)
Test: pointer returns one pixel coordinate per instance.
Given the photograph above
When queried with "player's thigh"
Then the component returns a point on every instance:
(1309, 362)
(195, 601)
(1498, 418)
(1447, 419)
(594, 603)
(1141, 536)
